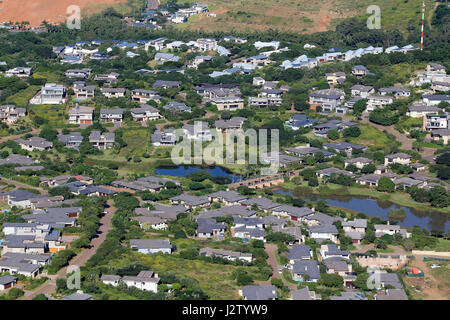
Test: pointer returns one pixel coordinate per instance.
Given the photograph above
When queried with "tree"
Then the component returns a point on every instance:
(352, 132)
(40, 296)
(368, 168)
(385, 185)
(243, 279)
(331, 280)
(359, 107)
(333, 134)
(313, 182)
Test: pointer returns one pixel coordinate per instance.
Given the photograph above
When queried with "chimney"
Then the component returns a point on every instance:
(155, 275)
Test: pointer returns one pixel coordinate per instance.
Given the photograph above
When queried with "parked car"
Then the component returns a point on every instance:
(435, 265)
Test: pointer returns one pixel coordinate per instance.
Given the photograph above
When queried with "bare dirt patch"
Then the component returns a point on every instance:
(52, 11)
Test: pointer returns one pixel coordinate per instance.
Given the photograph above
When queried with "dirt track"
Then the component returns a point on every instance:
(36, 11)
(80, 259)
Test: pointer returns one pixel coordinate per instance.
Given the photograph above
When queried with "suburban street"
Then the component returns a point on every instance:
(80, 259)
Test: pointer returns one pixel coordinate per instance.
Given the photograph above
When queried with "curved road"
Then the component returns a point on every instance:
(80, 259)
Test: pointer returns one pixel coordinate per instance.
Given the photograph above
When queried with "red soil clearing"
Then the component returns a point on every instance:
(36, 11)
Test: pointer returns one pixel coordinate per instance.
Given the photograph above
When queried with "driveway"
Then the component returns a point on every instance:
(80, 259)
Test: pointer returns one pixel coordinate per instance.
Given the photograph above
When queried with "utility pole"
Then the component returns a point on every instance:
(423, 22)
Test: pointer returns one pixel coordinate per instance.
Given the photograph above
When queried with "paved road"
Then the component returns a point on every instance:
(80, 259)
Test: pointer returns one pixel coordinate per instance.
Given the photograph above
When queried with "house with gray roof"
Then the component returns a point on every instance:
(328, 251)
(295, 232)
(164, 84)
(261, 292)
(17, 159)
(227, 197)
(78, 296)
(102, 141)
(148, 246)
(71, 140)
(226, 254)
(324, 232)
(299, 252)
(295, 213)
(145, 280)
(229, 124)
(304, 294)
(392, 294)
(111, 115)
(34, 143)
(191, 202)
(349, 296)
(7, 282)
(261, 203)
(209, 228)
(302, 268)
(112, 280)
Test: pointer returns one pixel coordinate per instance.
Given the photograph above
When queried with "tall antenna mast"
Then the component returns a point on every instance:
(423, 21)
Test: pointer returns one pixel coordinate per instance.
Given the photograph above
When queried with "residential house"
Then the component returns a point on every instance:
(144, 96)
(7, 282)
(294, 213)
(397, 92)
(111, 115)
(382, 229)
(324, 232)
(113, 92)
(51, 93)
(164, 84)
(331, 251)
(145, 113)
(72, 140)
(421, 110)
(360, 71)
(20, 72)
(229, 124)
(375, 101)
(305, 271)
(362, 91)
(299, 252)
(167, 137)
(210, 228)
(401, 158)
(111, 280)
(226, 197)
(102, 141)
(78, 73)
(259, 292)
(335, 78)
(228, 103)
(435, 99)
(9, 114)
(145, 280)
(176, 107)
(327, 99)
(34, 143)
(226, 254)
(150, 246)
(81, 115)
(359, 162)
(82, 91)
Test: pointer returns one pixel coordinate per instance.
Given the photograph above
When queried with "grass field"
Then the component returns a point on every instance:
(53, 113)
(299, 16)
(372, 137)
(214, 279)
